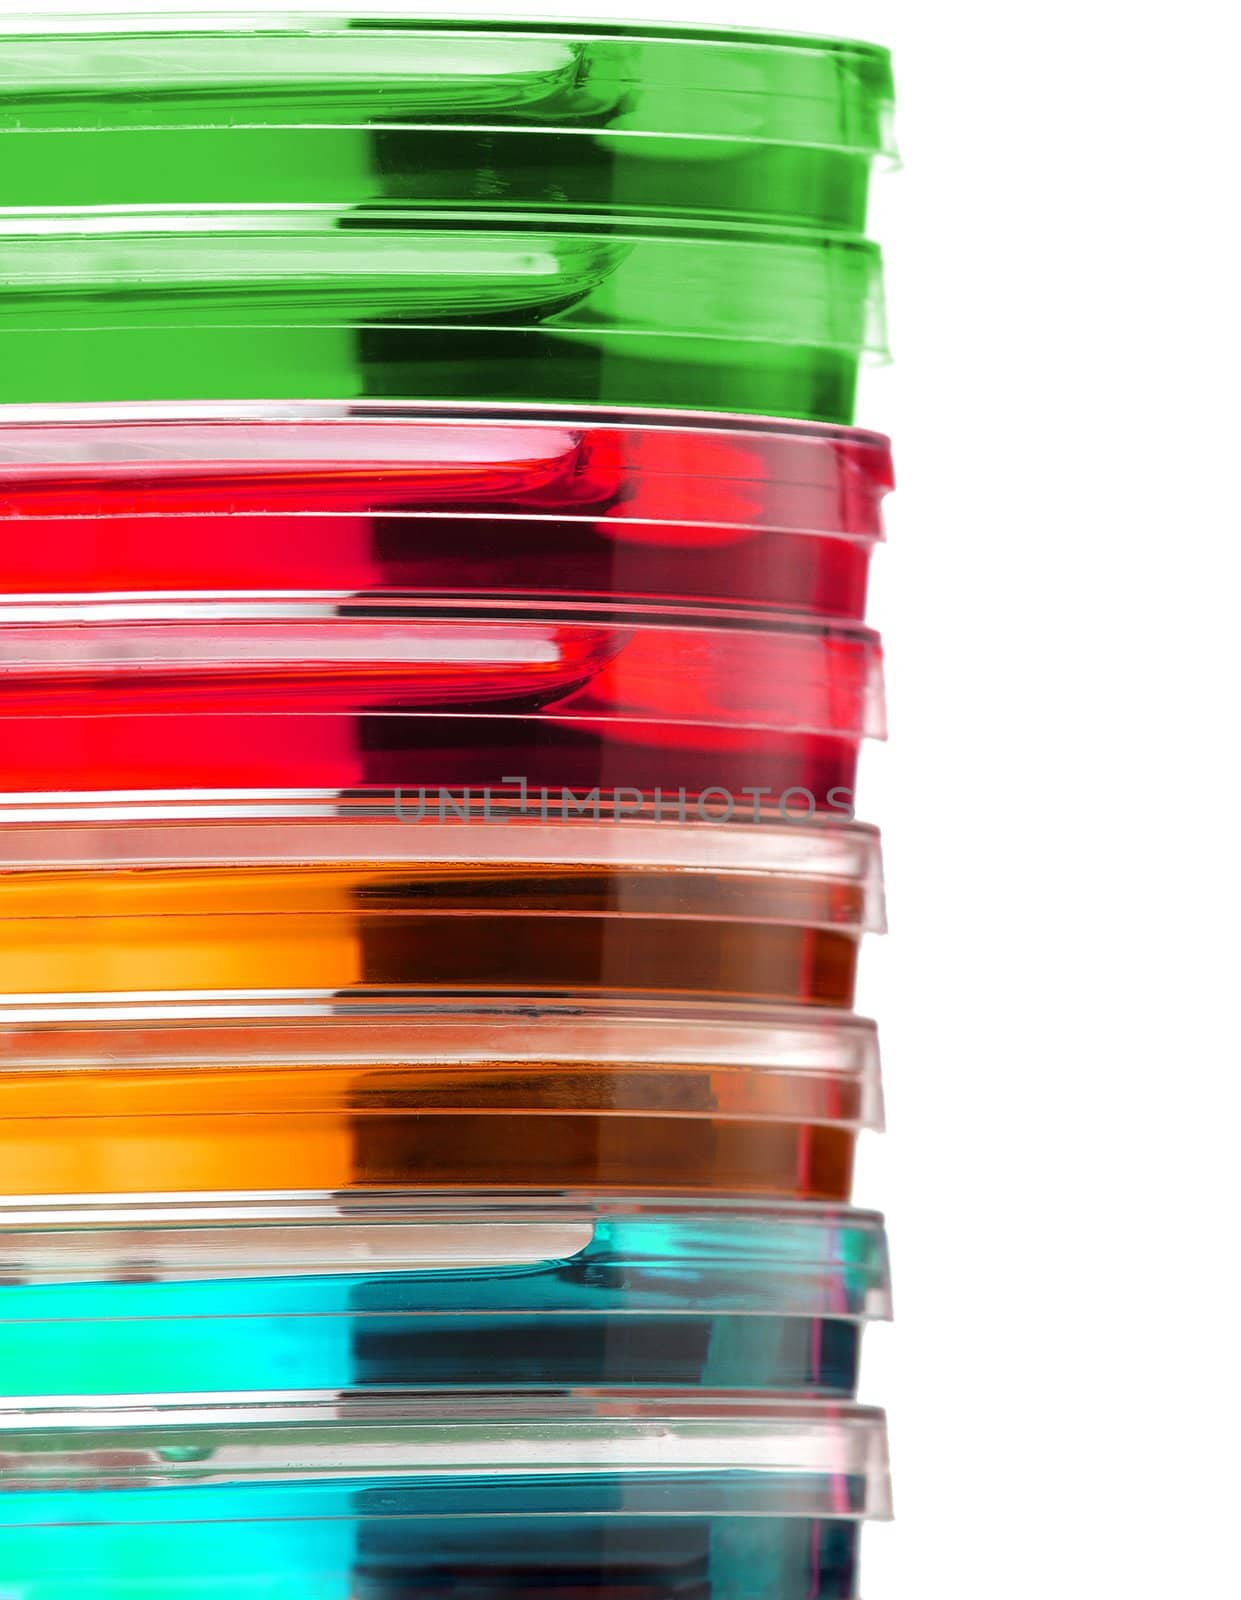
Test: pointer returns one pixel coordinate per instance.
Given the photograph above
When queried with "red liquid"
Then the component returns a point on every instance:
(784, 519)
(246, 751)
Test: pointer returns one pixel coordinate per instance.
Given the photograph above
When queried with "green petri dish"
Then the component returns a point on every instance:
(324, 302)
(631, 120)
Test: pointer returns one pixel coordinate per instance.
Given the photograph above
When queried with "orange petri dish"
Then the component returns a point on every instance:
(290, 1093)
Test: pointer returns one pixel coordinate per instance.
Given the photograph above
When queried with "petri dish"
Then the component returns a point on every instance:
(384, 501)
(402, 1291)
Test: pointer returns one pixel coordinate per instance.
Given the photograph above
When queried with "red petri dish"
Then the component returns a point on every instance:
(622, 507)
(438, 697)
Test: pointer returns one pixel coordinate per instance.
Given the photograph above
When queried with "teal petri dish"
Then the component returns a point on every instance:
(631, 119)
(409, 1291)
(331, 1498)
(321, 302)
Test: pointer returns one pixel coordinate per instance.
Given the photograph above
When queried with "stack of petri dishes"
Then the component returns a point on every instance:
(433, 563)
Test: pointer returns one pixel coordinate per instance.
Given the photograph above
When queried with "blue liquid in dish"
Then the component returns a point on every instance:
(650, 1301)
(476, 1538)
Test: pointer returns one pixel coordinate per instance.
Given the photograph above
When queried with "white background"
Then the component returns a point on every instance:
(1060, 597)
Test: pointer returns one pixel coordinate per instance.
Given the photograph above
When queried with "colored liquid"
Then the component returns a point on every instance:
(385, 1149)
(266, 1085)
(478, 926)
(543, 171)
(101, 1557)
(533, 1552)
(361, 361)
(613, 1558)
(424, 755)
(523, 508)
(483, 1537)
(257, 1334)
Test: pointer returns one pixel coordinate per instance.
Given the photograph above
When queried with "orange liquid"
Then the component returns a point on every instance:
(472, 927)
(229, 1125)
(117, 1155)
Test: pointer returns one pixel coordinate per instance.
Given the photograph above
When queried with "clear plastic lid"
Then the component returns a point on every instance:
(255, 1053)
(677, 1453)
(631, 118)
(284, 500)
(202, 844)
